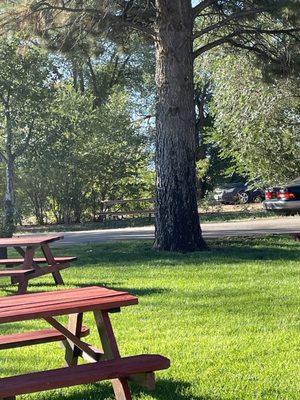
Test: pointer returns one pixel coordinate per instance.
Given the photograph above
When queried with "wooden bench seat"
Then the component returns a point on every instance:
(34, 337)
(18, 261)
(22, 276)
(16, 272)
(33, 272)
(81, 374)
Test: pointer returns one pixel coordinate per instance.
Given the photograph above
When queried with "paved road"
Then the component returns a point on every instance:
(210, 230)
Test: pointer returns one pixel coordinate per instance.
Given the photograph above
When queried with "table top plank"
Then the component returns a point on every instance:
(55, 295)
(55, 302)
(29, 240)
(62, 302)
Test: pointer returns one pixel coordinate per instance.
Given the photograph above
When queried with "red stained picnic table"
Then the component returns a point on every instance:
(105, 363)
(28, 267)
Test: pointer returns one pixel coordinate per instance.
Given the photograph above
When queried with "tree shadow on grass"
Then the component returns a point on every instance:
(132, 254)
(11, 290)
(139, 292)
(165, 390)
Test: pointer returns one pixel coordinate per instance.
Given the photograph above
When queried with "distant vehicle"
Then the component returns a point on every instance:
(283, 199)
(239, 193)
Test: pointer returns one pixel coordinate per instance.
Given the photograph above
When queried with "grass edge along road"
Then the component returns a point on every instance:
(228, 318)
(218, 215)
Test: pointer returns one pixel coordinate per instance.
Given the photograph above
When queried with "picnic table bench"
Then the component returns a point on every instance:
(108, 204)
(104, 364)
(29, 268)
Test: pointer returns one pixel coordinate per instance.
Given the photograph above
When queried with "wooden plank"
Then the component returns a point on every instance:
(117, 213)
(71, 351)
(72, 338)
(28, 258)
(111, 352)
(28, 240)
(51, 261)
(16, 272)
(55, 296)
(35, 337)
(112, 202)
(106, 334)
(81, 374)
(40, 260)
(22, 252)
(22, 284)
(71, 307)
(50, 269)
(11, 303)
(27, 307)
(121, 389)
(21, 277)
(145, 380)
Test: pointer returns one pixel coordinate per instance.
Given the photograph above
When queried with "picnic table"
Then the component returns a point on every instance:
(29, 266)
(103, 364)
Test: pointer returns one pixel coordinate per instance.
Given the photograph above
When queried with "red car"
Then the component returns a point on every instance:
(284, 199)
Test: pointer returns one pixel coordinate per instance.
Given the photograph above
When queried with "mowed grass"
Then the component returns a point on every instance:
(228, 318)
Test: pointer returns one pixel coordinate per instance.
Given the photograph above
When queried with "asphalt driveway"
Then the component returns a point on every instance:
(267, 226)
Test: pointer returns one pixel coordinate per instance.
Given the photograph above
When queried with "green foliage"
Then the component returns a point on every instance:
(73, 140)
(256, 124)
(25, 77)
(85, 156)
(25, 81)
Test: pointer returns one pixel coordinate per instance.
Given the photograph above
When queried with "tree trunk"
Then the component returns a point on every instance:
(177, 220)
(9, 225)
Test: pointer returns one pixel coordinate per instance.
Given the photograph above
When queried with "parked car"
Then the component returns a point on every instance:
(283, 199)
(239, 193)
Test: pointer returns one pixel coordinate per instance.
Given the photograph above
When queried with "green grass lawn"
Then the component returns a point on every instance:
(228, 318)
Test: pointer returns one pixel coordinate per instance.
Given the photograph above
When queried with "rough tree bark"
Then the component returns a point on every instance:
(9, 226)
(177, 220)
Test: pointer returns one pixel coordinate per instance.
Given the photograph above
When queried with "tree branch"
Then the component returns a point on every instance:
(214, 44)
(2, 157)
(44, 5)
(201, 6)
(225, 21)
(239, 32)
(122, 19)
(22, 149)
(247, 47)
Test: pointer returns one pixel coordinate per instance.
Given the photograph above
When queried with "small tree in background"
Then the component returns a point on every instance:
(24, 90)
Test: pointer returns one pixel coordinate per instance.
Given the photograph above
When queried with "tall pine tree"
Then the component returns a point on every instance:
(181, 32)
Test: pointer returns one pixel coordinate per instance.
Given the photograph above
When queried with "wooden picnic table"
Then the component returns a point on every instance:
(29, 266)
(103, 364)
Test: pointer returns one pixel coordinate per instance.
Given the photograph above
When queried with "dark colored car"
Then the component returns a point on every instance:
(284, 199)
(239, 193)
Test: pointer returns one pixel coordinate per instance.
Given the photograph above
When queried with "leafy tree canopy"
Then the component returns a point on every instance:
(256, 124)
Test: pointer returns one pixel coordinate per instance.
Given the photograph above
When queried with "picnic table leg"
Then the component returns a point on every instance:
(51, 261)
(28, 255)
(74, 326)
(22, 285)
(28, 262)
(111, 351)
